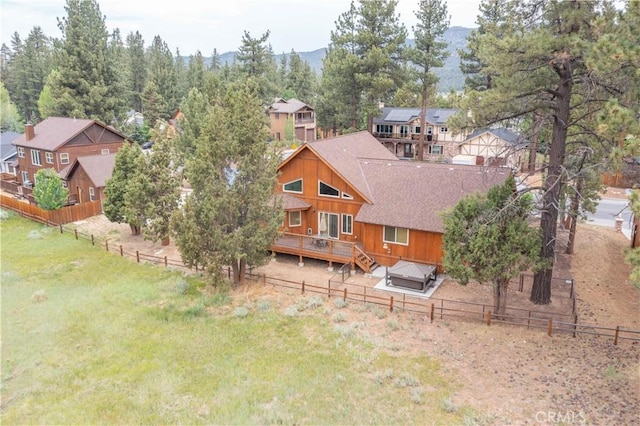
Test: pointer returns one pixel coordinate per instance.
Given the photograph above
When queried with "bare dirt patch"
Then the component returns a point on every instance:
(514, 375)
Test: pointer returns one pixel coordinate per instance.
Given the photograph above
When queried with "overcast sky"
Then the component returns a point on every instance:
(192, 25)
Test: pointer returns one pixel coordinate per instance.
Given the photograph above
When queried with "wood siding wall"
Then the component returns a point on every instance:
(89, 142)
(423, 247)
(79, 184)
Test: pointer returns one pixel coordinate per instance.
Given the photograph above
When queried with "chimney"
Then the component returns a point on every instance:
(29, 132)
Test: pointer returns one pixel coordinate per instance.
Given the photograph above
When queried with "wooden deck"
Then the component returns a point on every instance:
(314, 247)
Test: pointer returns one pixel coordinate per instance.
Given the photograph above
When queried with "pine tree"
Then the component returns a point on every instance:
(29, 66)
(301, 79)
(114, 205)
(230, 218)
(428, 53)
(542, 66)
(117, 55)
(162, 73)
(154, 106)
(488, 239)
(137, 67)
(257, 63)
(154, 190)
(363, 65)
(10, 119)
(196, 72)
(85, 87)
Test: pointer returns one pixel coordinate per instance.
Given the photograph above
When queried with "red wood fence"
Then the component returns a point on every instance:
(52, 217)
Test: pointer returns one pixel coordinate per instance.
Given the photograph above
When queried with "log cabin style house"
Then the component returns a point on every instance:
(350, 200)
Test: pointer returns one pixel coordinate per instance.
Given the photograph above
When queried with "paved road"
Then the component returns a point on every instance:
(606, 211)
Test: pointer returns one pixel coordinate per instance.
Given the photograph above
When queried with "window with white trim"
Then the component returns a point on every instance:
(295, 218)
(20, 152)
(444, 129)
(35, 157)
(65, 185)
(347, 224)
(104, 151)
(396, 235)
(25, 177)
(293, 186)
(92, 194)
(436, 149)
(347, 196)
(327, 190)
(64, 158)
(48, 157)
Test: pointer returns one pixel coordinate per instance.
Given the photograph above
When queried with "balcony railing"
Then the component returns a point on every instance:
(404, 136)
(304, 120)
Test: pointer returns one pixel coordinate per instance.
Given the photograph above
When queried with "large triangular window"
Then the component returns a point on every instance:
(293, 186)
(327, 190)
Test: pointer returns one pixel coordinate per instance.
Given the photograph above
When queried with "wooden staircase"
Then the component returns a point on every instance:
(364, 261)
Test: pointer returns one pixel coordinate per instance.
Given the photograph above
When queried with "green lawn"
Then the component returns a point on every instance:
(89, 337)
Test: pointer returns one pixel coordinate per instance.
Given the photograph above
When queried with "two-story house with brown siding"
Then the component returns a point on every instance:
(302, 115)
(350, 200)
(57, 142)
(398, 129)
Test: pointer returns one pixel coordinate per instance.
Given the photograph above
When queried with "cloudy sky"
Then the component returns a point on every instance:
(192, 25)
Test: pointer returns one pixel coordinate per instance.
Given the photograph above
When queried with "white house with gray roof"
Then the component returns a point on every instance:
(495, 147)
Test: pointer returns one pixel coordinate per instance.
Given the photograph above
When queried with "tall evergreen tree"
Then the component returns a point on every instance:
(85, 87)
(154, 105)
(29, 67)
(257, 62)
(230, 218)
(114, 205)
(364, 62)
(182, 77)
(542, 65)
(153, 191)
(120, 78)
(301, 79)
(494, 17)
(162, 73)
(428, 53)
(137, 69)
(216, 62)
(196, 72)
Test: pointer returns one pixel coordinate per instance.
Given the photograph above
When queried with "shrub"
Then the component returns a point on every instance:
(263, 305)
(392, 324)
(448, 405)
(34, 235)
(339, 317)
(241, 312)
(182, 287)
(416, 395)
(314, 302)
(406, 380)
(340, 303)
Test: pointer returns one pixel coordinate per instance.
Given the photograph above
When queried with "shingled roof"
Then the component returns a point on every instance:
(503, 133)
(56, 131)
(99, 168)
(288, 107)
(343, 152)
(411, 195)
